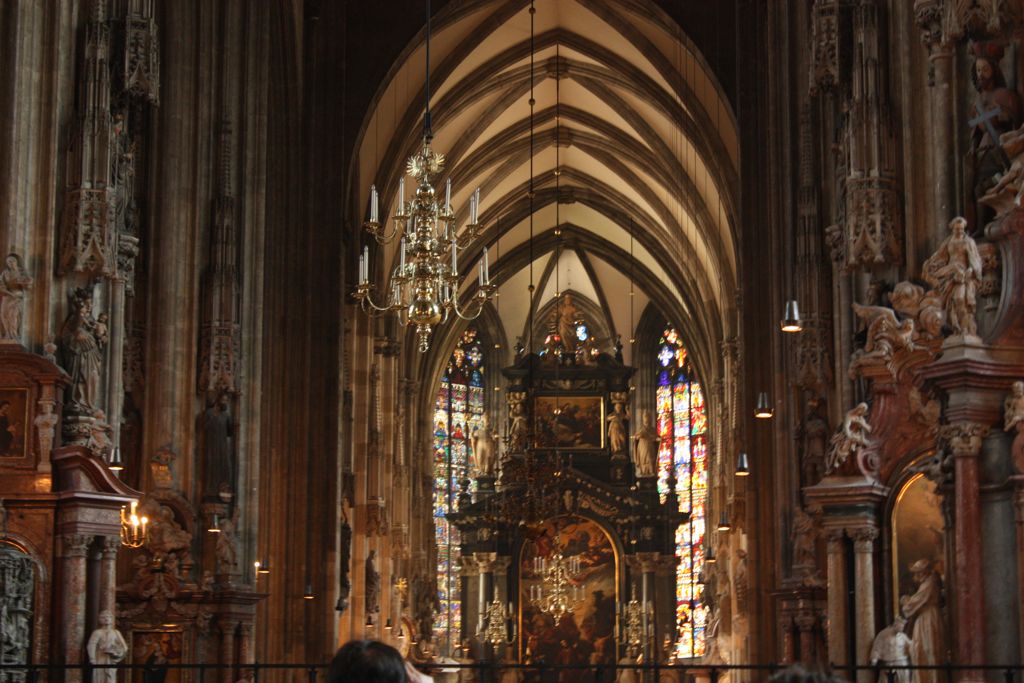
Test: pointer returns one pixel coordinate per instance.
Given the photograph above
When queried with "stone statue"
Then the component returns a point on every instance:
(218, 429)
(924, 307)
(82, 339)
(372, 584)
(851, 436)
(627, 673)
(741, 583)
(618, 348)
(885, 334)
(17, 593)
(519, 348)
(46, 429)
(645, 450)
(924, 608)
(14, 284)
(106, 646)
(996, 109)
(518, 428)
(1013, 421)
(485, 448)
(617, 427)
(804, 537)
(954, 270)
(814, 434)
(891, 647)
(227, 548)
(567, 317)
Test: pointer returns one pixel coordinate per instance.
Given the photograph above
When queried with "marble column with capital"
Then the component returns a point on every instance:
(805, 621)
(1018, 510)
(964, 440)
(837, 581)
(227, 650)
(108, 574)
(864, 595)
(74, 549)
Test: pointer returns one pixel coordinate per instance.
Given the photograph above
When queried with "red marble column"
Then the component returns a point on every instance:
(108, 574)
(227, 650)
(74, 549)
(1018, 500)
(786, 633)
(805, 621)
(964, 439)
(837, 652)
(864, 590)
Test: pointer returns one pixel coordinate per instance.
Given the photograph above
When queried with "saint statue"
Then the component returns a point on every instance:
(954, 270)
(82, 339)
(1013, 421)
(928, 639)
(849, 438)
(890, 648)
(106, 646)
(567, 317)
(805, 534)
(218, 429)
(645, 450)
(14, 283)
(518, 428)
(372, 584)
(484, 448)
(617, 428)
(1003, 104)
(814, 440)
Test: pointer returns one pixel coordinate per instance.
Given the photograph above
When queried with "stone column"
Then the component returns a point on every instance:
(864, 595)
(964, 439)
(244, 643)
(485, 583)
(1018, 507)
(837, 579)
(227, 650)
(74, 548)
(786, 636)
(928, 14)
(648, 567)
(108, 574)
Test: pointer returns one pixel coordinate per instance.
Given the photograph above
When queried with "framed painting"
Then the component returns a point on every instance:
(917, 534)
(160, 652)
(14, 427)
(569, 421)
(584, 633)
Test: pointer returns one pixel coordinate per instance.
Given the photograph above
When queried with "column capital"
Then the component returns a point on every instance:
(111, 544)
(834, 539)
(805, 619)
(863, 538)
(75, 545)
(964, 438)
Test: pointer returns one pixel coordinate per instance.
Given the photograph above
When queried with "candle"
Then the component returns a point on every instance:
(476, 204)
(401, 194)
(480, 274)
(373, 204)
(401, 257)
(455, 266)
(448, 194)
(487, 268)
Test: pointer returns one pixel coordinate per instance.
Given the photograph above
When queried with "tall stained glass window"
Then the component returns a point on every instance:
(682, 427)
(457, 412)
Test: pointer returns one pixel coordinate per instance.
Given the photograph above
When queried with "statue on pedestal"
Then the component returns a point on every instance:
(82, 339)
(996, 110)
(372, 584)
(14, 284)
(106, 646)
(851, 436)
(924, 607)
(645, 450)
(617, 426)
(814, 435)
(954, 270)
(518, 428)
(1013, 422)
(218, 429)
(484, 448)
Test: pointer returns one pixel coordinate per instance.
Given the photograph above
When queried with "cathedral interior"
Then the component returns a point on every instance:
(592, 334)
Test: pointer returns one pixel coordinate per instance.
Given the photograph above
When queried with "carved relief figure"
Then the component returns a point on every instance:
(106, 646)
(218, 452)
(996, 110)
(851, 436)
(814, 439)
(17, 589)
(617, 428)
(924, 608)
(227, 548)
(82, 339)
(805, 534)
(14, 284)
(954, 270)
(1013, 421)
(885, 333)
(372, 584)
(46, 429)
(645, 451)
(518, 429)
(485, 448)
(891, 647)
(924, 307)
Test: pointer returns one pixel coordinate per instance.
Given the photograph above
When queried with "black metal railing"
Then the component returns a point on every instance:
(491, 672)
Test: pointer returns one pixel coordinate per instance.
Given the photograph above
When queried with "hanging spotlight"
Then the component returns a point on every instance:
(387, 624)
(723, 522)
(308, 595)
(791, 318)
(742, 465)
(763, 409)
(710, 557)
(214, 527)
(116, 463)
(262, 567)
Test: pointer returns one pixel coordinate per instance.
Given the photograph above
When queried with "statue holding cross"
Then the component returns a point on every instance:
(996, 110)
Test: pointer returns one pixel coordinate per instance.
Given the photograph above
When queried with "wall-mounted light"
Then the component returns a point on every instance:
(308, 595)
(742, 465)
(116, 463)
(723, 522)
(763, 409)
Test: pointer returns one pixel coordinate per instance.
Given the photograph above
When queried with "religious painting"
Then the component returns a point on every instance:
(159, 654)
(14, 431)
(569, 421)
(567, 595)
(916, 535)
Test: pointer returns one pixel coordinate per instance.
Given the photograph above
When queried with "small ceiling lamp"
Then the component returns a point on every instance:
(743, 465)
(308, 595)
(710, 557)
(116, 463)
(791, 318)
(214, 527)
(723, 522)
(763, 409)
(262, 567)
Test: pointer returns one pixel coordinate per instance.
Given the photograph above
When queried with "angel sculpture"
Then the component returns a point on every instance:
(849, 438)
(886, 334)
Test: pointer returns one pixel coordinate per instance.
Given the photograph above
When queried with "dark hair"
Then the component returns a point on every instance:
(798, 674)
(366, 661)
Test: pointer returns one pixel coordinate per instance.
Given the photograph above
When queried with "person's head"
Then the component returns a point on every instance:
(920, 569)
(798, 674)
(957, 226)
(13, 262)
(106, 618)
(1018, 388)
(367, 661)
(987, 75)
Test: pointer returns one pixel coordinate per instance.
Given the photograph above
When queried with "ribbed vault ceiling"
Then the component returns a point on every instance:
(633, 158)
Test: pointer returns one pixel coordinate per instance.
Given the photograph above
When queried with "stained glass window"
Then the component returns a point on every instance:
(457, 412)
(682, 455)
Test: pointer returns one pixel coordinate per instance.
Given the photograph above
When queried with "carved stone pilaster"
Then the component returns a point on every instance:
(140, 75)
(825, 46)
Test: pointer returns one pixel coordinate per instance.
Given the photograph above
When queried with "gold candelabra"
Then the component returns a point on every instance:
(558, 589)
(424, 287)
(497, 627)
(133, 527)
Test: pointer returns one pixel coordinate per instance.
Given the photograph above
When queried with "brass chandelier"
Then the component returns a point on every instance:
(424, 286)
